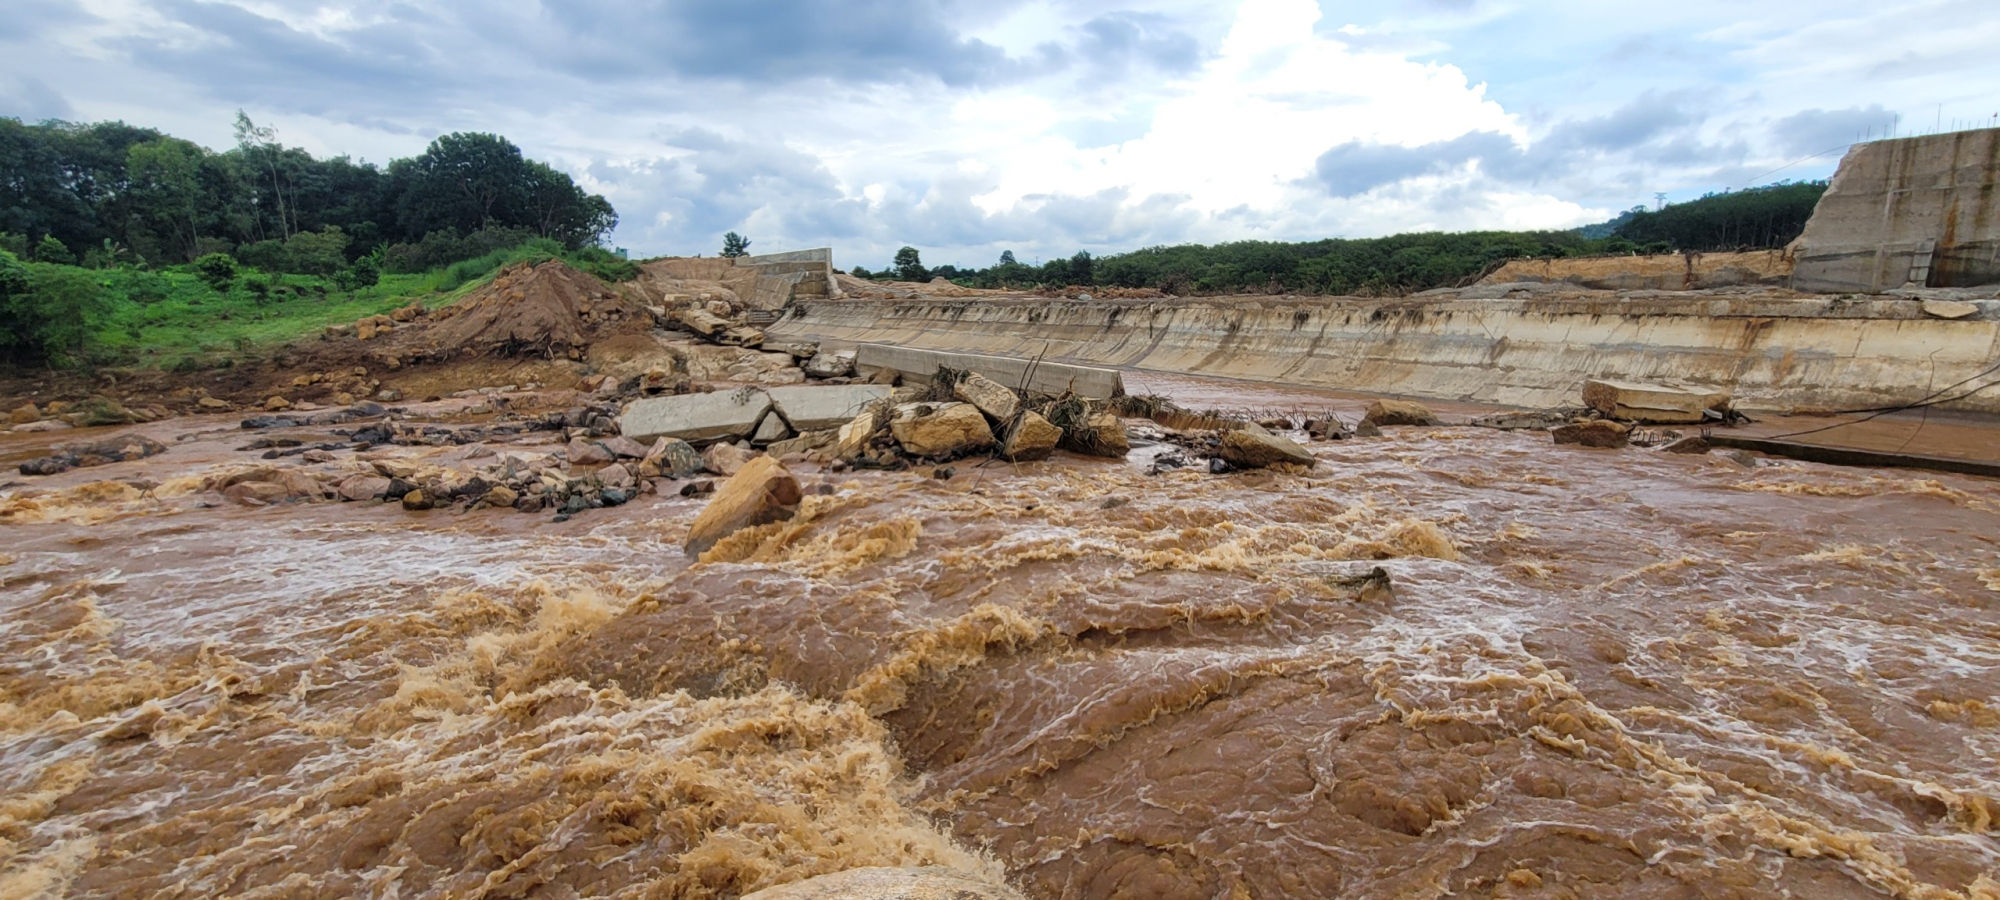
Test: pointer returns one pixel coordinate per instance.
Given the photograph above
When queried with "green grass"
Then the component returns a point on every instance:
(171, 319)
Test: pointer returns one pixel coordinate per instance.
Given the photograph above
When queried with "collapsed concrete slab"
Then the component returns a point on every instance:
(695, 417)
(1044, 377)
(1653, 404)
(813, 408)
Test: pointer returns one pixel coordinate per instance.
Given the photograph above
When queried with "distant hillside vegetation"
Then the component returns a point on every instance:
(1762, 218)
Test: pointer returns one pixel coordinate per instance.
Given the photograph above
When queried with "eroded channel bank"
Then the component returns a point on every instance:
(1515, 345)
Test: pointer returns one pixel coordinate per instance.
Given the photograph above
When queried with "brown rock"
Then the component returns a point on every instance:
(991, 397)
(212, 403)
(365, 329)
(25, 414)
(407, 313)
(615, 475)
(763, 492)
(726, 459)
(363, 487)
(277, 404)
(1692, 445)
(415, 500)
(1399, 412)
(1032, 438)
(1103, 435)
(501, 496)
(626, 448)
(588, 453)
(1258, 449)
(940, 429)
(255, 493)
(1600, 433)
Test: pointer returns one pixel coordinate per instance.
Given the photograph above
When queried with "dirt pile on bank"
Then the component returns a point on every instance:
(547, 309)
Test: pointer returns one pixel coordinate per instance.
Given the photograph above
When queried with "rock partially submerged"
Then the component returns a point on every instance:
(940, 430)
(1031, 438)
(1600, 433)
(1654, 404)
(1256, 448)
(94, 453)
(1398, 412)
(762, 493)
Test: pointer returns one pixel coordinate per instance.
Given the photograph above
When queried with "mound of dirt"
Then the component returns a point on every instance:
(546, 309)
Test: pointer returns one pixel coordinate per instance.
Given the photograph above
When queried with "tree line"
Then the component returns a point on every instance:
(1759, 218)
(108, 193)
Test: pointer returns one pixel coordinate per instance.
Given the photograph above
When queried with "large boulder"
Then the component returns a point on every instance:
(1102, 434)
(993, 398)
(1248, 449)
(357, 488)
(724, 415)
(1600, 433)
(24, 414)
(940, 430)
(1032, 438)
(763, 492)
(1656, 404)
(1399, 412)
(914, 883)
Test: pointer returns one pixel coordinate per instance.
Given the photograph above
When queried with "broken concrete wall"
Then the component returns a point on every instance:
(1770, 352)
(1922, 209)
(1660, 272)
(765, 283)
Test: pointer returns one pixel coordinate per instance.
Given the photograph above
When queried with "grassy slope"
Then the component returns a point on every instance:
(171, 319)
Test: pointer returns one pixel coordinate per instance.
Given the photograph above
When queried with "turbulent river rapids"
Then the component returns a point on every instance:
(1587, 673)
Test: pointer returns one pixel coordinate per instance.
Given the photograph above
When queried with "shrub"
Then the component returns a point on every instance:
(48, 312)
(54, 251)
(218, 270)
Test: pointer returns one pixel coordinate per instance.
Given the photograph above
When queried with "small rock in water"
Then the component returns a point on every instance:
(944, 473)
(1254, 450)
(415, 501)
(1217, 466)
(697, 488)
(1692, 445)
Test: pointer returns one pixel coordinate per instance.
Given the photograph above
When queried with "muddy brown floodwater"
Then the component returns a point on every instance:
(1592, 674)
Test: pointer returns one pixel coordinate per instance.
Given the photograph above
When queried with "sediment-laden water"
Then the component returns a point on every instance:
(1601, 674)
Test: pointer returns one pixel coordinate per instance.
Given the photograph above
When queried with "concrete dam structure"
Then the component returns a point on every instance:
(1921, 211)
(1513, 345)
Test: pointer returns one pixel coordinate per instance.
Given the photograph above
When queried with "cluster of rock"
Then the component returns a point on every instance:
(1614, 411)
(94, 453)
(92, 412)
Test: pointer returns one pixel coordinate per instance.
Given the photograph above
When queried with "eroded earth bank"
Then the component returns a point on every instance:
(1580, 673)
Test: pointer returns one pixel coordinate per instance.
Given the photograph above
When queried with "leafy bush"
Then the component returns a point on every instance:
(51, 250)
(48, 312)
(218, 270)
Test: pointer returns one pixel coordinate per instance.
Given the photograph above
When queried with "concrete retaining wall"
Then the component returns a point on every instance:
(1771, 353)
(1923, 209)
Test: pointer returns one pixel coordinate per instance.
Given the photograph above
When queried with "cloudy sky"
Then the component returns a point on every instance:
(965, 127)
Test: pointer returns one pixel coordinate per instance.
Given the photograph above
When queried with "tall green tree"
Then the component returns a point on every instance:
(166, 194)
(910, 265)
(735, 245)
